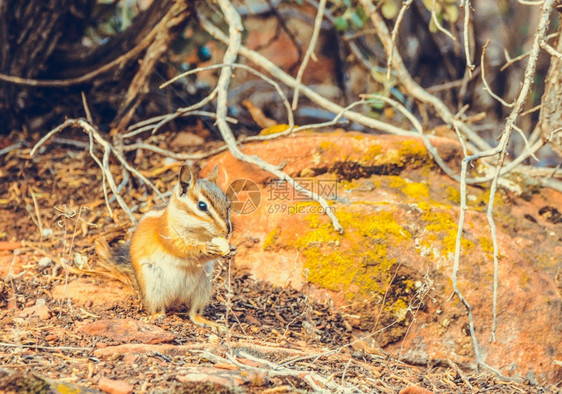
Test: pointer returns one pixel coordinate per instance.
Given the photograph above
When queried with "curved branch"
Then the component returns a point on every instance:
(282, 76)
(411, 86)
(235, 34)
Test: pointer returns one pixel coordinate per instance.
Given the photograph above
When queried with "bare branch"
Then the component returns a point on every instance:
(235, 30)
(173, 155)
(309, 51)
(501, 149)
(163, 119)
(486, 86)
(282, 76)
(405, 5)
(530, 2)
(550, 50)
(438, 25)
(290, 115)
(94, 135)
(506, 135)
(88, 76)
(522, 135)
(411, 86)
(510, 61)
(466, 25)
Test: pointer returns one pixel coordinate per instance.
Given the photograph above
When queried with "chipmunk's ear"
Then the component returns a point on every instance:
(213, 176)
(186, 180)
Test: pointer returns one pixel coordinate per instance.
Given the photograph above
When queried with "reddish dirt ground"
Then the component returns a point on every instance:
(63, 325)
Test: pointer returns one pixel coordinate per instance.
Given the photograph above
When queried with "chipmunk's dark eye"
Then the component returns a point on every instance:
(202, 206)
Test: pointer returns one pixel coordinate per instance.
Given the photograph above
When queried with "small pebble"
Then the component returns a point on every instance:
(51, 338)
(44, 262)
(114, 386)
(80, 260)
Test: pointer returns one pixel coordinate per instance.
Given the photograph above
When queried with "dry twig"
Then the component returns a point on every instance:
(390, 52)
(282, 76)
(235, 29)
(411, 86)
(486, 86)
(500, 150)
(95, 135)
(88, 76)
(466, 30)
(438, 25)
(310, 51)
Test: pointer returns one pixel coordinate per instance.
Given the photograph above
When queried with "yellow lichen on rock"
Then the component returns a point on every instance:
(356, 262)
(414, 190)
(441, 229)
(453, 194)
(486, 244)
(270, 239)
(373, 151)
(326, 145)
(278, 128)
(414, 151)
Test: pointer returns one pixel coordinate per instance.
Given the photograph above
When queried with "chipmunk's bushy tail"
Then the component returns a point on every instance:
(116, 263)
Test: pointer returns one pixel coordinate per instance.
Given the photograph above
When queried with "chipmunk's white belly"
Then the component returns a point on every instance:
(172, 281)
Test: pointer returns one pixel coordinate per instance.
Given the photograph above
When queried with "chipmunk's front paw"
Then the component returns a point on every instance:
(212, 249)
(232, 252)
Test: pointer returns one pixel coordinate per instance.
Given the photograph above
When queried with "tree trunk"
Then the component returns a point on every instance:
(29, 33)
(44, 65)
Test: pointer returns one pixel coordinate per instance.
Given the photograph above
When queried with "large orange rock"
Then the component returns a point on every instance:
(390, 271)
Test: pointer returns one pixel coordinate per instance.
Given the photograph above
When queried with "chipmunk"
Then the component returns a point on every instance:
(171, 256)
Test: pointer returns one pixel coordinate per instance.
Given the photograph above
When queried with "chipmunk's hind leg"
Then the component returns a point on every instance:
(198, 304)
(195, 313)
(200, 298)
(155, 314)
(204, 322)
(159, 316)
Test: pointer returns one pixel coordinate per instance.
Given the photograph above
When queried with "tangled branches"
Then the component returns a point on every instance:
(493, 156)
